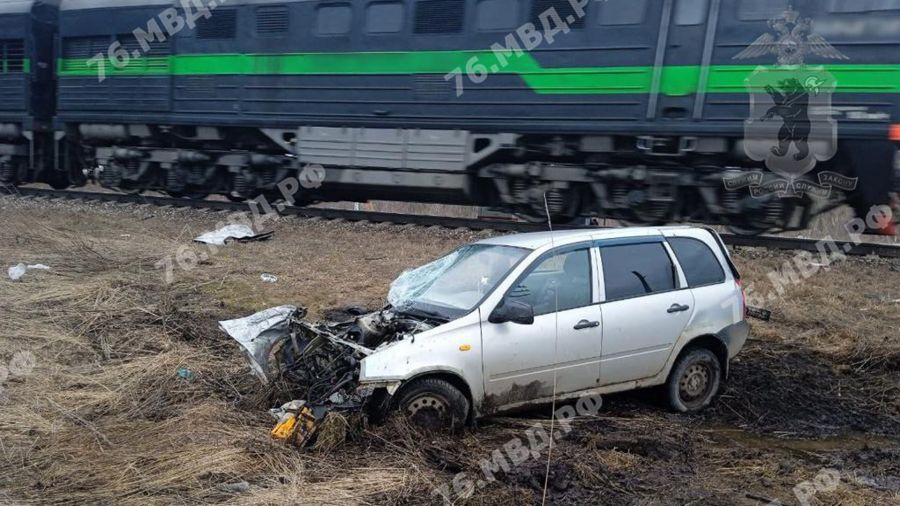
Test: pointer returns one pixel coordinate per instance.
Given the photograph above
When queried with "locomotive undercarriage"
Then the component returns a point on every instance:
(192, 173)
(646, 195)
(672, 180)
(15, 153)
(183, 162)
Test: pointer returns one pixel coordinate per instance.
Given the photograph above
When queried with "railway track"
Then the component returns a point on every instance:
(763, 241)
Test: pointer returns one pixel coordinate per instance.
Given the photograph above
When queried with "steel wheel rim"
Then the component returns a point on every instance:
(695, 382)
(429, 410)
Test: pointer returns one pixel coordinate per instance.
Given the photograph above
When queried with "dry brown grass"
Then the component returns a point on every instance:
(105, 417)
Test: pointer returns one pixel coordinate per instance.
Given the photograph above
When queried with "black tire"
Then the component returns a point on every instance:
(694, 381)
(434, 404)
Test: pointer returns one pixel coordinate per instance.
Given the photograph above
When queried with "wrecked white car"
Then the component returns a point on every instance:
(517, 320)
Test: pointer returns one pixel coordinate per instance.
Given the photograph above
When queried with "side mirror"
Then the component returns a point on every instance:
(513, 311)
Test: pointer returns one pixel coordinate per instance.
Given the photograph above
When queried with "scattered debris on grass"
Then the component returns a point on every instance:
(17, 271)
(239, 233)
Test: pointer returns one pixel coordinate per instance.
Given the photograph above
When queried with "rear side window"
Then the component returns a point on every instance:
(636, 269)
(699, 263)
(562, 280)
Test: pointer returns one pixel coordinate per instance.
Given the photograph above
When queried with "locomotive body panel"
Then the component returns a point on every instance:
(604, 114)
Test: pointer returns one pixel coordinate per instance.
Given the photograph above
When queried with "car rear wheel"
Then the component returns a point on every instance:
(694, 381)
(434, 404)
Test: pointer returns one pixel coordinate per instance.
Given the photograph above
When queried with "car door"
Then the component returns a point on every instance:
(521, 362)
(717, 298)
(646, 307)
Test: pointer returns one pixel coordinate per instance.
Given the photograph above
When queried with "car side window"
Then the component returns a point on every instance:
(560, 281)
(634, 270)
(699, 263)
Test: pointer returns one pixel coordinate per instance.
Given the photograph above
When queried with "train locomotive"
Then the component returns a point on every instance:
(630, 109)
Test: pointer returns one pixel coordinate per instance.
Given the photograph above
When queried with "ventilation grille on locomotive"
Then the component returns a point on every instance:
(77, 50)
(272, 20)
(563, 9)
(156, 57)
(221, 25)
(12, 55)
(440, 16)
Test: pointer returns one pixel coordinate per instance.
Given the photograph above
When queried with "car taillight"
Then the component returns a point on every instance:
(740, 285)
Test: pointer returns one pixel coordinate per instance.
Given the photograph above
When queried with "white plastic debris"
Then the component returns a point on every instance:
(268, 278)
(17, 271)
(231, 232)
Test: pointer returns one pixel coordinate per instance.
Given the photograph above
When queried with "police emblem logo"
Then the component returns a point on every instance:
(790, 127)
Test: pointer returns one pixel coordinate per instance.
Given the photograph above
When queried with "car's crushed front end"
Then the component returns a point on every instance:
(319, 363)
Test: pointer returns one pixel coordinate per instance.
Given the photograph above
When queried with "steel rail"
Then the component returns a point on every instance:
(823, 246)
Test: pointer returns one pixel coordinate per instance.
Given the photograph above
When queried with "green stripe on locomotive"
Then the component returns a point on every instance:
(676, 80)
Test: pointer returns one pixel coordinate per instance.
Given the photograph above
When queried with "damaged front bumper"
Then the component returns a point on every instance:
(319, 363)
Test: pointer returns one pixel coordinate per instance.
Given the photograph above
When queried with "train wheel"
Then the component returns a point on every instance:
(188, 195)
(8, 174)
(769, 217)
(745, 231)
(564, 207)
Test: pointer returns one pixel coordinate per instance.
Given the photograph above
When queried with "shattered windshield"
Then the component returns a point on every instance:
(453, 285)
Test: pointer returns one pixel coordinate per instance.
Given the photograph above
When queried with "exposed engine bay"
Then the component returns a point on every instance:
(318, 363)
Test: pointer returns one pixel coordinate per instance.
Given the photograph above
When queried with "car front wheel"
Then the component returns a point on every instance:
(694, 381)
(434, 404)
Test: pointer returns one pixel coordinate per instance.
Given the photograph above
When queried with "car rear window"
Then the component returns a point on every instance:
(699, 263)
(634, 270)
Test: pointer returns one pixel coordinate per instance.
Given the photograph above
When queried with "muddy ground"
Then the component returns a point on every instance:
(117, 387)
